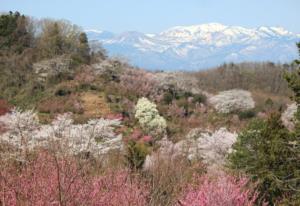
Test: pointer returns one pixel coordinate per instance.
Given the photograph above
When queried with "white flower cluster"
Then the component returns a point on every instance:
(149, 118)
(96, 136)
(21, 126)
(232, 100)
(288, 116)
(212, 148)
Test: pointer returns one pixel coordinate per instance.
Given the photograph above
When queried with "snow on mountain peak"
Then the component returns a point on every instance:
(279, 31)
(200, 46)
(187, 33)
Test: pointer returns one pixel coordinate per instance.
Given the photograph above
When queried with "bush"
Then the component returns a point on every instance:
(168, 98)
(136, 154)
(248, 114)
(149, 118)
(4, 107)
(199, 98)
(268, 153)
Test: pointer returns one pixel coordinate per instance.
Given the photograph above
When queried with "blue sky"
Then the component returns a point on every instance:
(156, 15)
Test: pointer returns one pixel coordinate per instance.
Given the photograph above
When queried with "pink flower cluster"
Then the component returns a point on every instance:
(223, 190)
(49, 180)
(138, 136)
(115, 116)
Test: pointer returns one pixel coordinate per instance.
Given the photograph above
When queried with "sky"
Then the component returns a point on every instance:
(153, 16)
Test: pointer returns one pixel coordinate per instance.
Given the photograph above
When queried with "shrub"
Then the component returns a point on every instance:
(136, 154)
(199, 98)
(168, 97)
(4, 107)
(149, 118)
(223, 190)
(269, 153)
(246, 114)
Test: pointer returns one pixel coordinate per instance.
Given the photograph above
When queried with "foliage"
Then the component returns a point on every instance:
(14, 34)
(136, 154)
(62, 37)
(269, 153)
(293, 80)
(199, 98)
(222, 190)
(248, 114)
(82, 55)
(149, 118)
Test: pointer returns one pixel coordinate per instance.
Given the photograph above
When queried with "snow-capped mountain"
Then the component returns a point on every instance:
(199, 46)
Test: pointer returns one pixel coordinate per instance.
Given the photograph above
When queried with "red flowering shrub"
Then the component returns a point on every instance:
(138, 136)
(4, 107)
(224, 190)
(114, 116)
(49, 180)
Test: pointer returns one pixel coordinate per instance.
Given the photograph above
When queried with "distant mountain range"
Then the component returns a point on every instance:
(198, 46)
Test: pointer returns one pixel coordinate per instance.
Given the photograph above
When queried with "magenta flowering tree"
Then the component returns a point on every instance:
(222, 190)
(52, 180)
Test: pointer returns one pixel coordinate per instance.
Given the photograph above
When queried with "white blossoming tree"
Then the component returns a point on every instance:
(288, 116)
(232, 100)
(24, 132)
(149, 118)
(210, 147)
(22, 127)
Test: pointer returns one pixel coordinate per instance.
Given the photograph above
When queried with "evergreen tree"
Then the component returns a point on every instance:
(293, 80)
(14, 37)
(84, 49)
(270, 154)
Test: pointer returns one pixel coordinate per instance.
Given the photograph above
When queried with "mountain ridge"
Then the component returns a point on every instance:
(199, 46)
